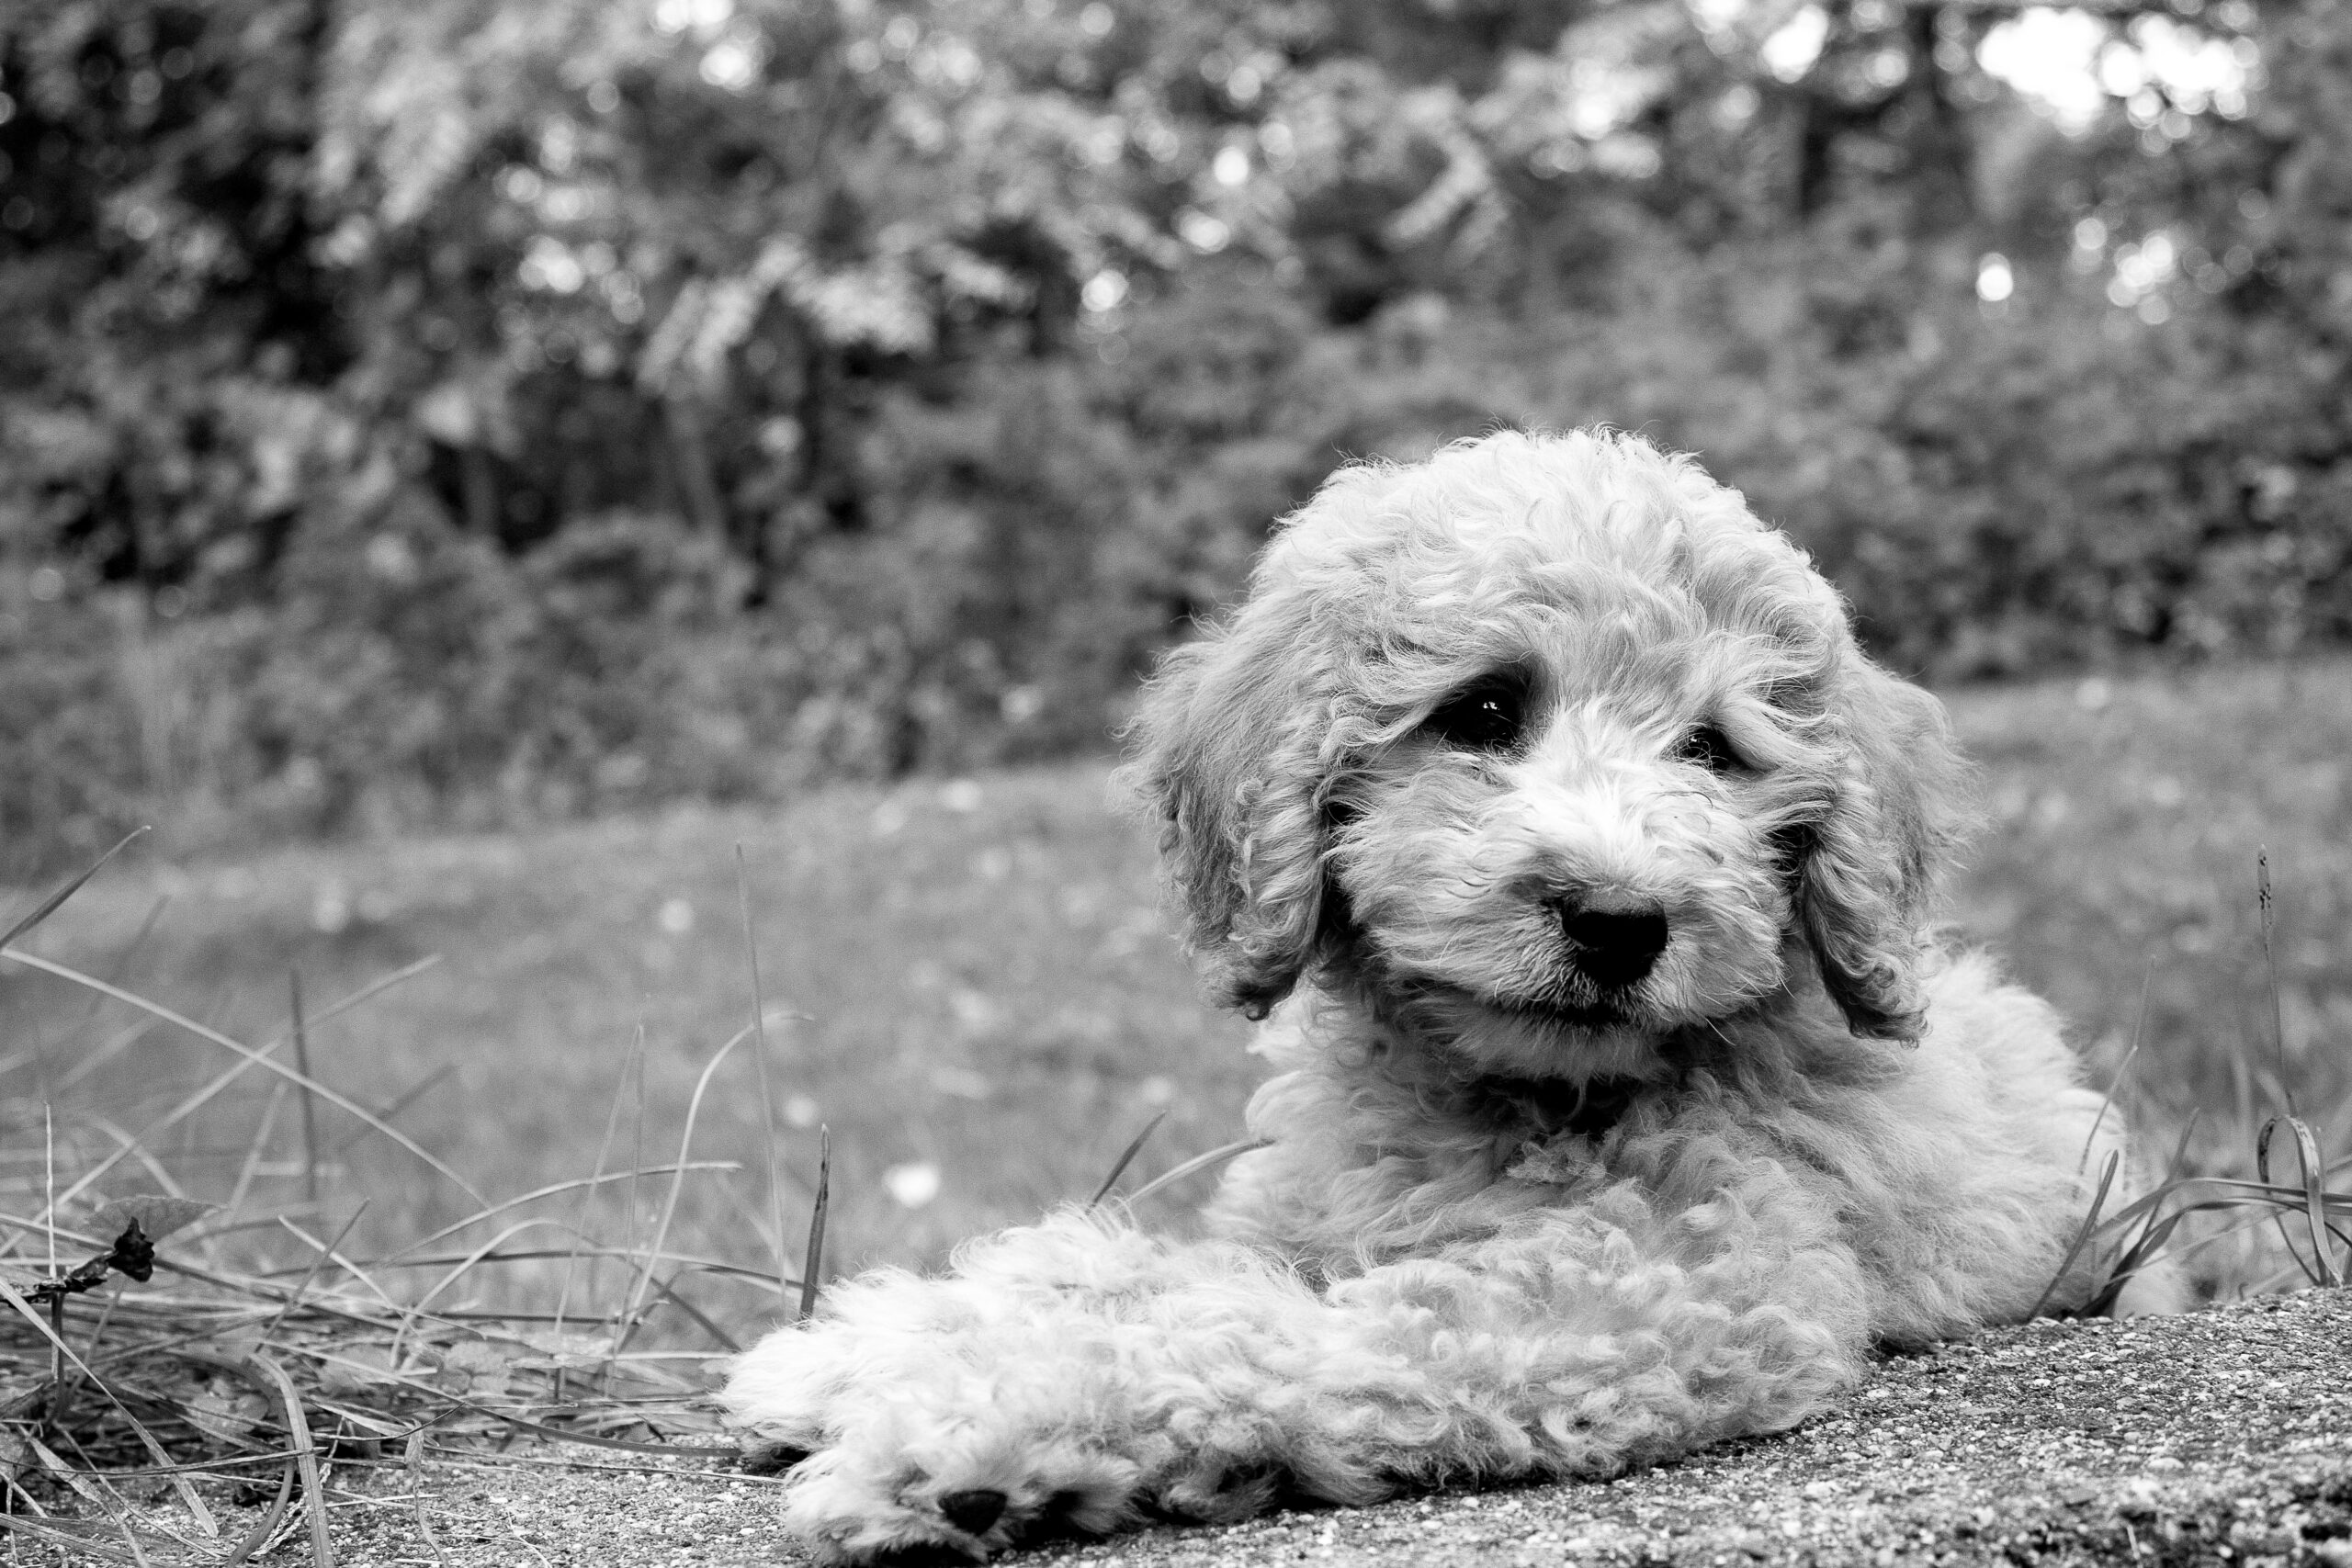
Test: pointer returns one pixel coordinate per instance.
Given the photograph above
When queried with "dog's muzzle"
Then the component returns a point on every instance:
(1613, 948)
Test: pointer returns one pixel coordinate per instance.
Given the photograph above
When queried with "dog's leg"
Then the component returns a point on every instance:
(1080, 1374)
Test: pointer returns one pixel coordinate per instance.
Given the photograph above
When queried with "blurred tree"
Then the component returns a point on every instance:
(499, 405)
(158, 273)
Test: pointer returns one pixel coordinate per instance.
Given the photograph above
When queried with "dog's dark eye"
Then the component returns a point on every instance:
(1488, 717)
(1710, 749)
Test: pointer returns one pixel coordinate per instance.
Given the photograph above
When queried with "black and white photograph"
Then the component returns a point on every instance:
(1175, 783)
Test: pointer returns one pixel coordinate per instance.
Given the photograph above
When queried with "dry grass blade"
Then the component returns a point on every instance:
(306, 1456)
(253, 1058)
(2215, 1239)
(2139, 1032)
(812, 1267)
(319, 1261)
(48, 1179)
(255, 1149)
(123, 960)
(416, 1493)
(2143, 1248)
(452, 1405)
(2227, 1192)
(56, 900)
(2082, 1235)
(309, 1109)
(208, 1092)
(397, 1104)
(588, 1194)
(325, 1251)
(671, 1294)
(84, 1486)
(69, 1538)
(474, 1260)
(2206, 1194)
(773, 1144)
(91, 1061)
(2313, 1169)
(131, 1539)
(553, 1190)
(2270, 972)
(541, 1255)
(91, 1490)
(1126, 1159)
(670, 1204)
(189, 1498)
(66, 1354)
(1215, 1156)
(132, 1149)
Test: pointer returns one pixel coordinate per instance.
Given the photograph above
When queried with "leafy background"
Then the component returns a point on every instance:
(474, 412)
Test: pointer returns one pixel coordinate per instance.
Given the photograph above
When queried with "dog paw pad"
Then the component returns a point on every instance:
(974, 1511)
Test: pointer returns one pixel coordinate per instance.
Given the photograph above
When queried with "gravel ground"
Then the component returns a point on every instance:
(2224, 1437)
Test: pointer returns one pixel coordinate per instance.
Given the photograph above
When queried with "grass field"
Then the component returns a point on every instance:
(967, 981)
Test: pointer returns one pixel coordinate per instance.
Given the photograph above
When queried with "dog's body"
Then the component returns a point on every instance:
(1625, 1100)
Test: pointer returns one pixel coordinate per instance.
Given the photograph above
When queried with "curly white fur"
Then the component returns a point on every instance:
(1528, 1206)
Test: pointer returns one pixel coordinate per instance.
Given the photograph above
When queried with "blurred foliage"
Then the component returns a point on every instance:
(483, 410)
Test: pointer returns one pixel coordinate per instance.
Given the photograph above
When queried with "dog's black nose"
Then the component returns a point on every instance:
(1614, 947)
(972, 1512)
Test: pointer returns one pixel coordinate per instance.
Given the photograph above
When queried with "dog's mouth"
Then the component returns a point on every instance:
(1604, 1013)
(1608, 1013)
(1550, 1040)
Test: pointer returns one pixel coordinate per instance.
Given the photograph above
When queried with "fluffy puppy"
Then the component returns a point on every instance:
(1624, 1098)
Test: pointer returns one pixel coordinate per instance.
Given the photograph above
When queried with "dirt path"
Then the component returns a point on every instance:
(2224, 1438)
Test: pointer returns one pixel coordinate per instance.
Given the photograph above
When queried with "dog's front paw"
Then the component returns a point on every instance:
(909, 1480)
(846, 1510)
(779, 1396)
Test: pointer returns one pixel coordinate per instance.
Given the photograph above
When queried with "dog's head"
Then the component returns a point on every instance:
(1549, 742)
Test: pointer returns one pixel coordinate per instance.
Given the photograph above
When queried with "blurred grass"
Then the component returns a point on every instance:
(990, 1009)
(983, 990)
(2126, 818)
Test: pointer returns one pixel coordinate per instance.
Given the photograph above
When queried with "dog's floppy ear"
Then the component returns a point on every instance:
(1866, 884)
(1227, 752)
